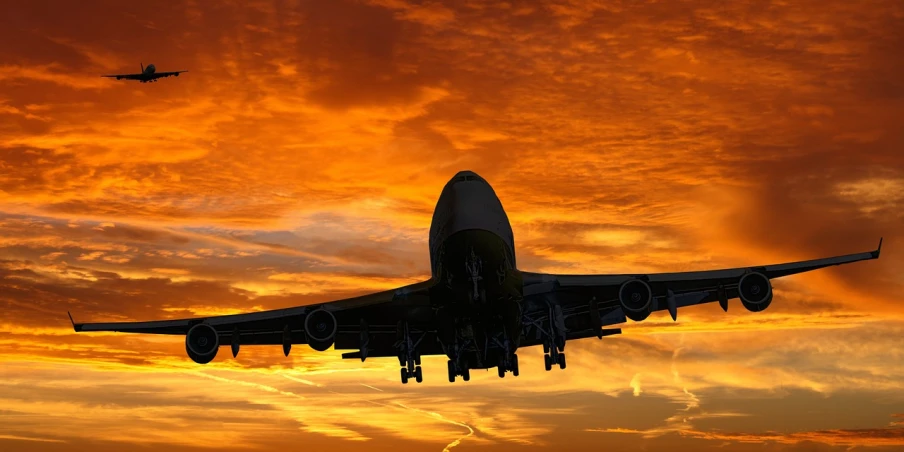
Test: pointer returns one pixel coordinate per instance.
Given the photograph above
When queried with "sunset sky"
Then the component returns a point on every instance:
(299, 161)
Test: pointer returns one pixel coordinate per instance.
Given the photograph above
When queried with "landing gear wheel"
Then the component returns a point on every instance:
(418, 375)
(515, 365)
(561, 361)
(404, 375)
(452, 372)
(548, 361)
(501, 371)
(466, 375)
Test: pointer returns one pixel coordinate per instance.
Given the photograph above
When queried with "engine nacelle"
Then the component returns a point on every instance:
(202, 343)
(636, 299)
(755, 291)
(320, 329)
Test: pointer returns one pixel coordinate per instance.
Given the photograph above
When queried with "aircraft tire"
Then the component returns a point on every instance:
(418, 374)
(452, 372)
(562, 361)
(404, 376)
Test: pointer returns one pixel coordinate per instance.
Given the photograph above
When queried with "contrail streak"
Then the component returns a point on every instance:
(371, 387)
(430, 414)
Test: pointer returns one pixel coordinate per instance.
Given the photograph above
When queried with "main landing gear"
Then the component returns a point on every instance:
(554, 340)
(455, 371)
(456, 365)
(511, 364)
(554, 355)
(509, 360)
(412, 370)
(409, 358)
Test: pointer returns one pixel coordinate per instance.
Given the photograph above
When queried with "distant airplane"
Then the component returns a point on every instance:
(148, 74)
(477, 308)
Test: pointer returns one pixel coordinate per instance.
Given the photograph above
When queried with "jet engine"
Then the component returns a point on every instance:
(320, 329)
(202, 343)
(636, 299)
(755, 291)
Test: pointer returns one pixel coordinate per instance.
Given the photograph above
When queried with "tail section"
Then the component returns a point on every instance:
(142, 67)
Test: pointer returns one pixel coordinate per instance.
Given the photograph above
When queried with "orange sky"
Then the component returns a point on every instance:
(300, 159)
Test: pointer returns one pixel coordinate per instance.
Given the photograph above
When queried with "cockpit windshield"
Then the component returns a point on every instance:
(467, 177)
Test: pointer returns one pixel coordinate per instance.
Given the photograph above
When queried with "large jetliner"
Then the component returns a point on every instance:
(148, 74)
(477, 309)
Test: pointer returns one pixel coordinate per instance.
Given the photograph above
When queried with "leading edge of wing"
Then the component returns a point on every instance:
(771, 271)
(158, 326)
(180, 326)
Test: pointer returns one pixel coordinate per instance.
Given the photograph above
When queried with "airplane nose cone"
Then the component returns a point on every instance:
(466, 175)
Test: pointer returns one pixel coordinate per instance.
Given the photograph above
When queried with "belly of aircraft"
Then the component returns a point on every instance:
(478, 298)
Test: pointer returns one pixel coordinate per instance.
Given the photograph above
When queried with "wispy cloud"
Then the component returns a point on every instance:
(300, 159)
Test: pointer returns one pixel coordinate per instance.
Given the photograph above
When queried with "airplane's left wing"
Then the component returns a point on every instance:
(124, 76)
(367, 323)
(579, 306)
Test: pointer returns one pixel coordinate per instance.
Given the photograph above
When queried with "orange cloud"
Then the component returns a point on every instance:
(300, 159)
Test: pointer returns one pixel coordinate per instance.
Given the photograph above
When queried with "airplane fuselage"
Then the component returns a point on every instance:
(479, 290)
(147, 73)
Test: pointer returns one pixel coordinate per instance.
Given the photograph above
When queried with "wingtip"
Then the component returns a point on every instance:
(75, 327)
(878, 249)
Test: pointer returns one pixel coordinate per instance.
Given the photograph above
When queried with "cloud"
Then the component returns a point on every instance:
(51, 74)
(300, 159)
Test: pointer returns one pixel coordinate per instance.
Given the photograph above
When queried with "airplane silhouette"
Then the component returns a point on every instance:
(148, 74)
(477, 308)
